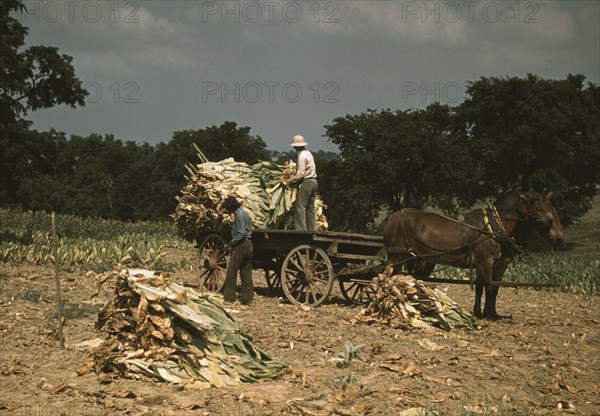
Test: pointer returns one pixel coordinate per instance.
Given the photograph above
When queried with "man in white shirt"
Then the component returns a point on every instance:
(306, 174)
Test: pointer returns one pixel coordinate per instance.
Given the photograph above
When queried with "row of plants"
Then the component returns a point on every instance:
(71, 226)
(101, 244)
(571, 271)
(97, 244)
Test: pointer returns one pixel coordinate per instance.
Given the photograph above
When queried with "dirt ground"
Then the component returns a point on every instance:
(543, 360)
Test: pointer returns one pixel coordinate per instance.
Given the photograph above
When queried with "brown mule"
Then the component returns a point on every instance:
(481, 239)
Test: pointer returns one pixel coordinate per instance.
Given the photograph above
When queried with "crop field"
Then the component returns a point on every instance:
(92, 244)
(542, 359)
(100, 245)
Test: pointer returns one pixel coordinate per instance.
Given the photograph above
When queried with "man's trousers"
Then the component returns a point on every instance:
(240, 260)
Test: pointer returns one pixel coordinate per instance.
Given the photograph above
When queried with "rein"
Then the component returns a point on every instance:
(493, 223)
(492, 228)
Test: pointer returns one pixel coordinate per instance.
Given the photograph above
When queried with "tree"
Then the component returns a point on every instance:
(33, 78)
(390, 160)
(24, 154)
(548, 131)
(221, 142)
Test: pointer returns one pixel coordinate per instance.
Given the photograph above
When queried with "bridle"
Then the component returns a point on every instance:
(524, 207)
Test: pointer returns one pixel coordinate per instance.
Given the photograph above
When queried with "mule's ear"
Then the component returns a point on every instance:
(549, 196)
(520, 180)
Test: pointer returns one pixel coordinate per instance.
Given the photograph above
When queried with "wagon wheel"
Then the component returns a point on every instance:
(213, 262)
(273, 278)
(307, 275)
(355, 291)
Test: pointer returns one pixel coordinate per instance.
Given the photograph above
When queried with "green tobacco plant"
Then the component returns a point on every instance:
(344, 358)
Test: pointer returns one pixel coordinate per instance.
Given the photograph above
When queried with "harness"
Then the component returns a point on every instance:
(492, 228)
(492, 222)
(407, 247)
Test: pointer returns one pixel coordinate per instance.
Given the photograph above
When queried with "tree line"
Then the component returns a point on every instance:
(545, 131)
(101, 176)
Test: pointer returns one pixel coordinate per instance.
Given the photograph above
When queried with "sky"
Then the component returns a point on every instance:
(292, 67)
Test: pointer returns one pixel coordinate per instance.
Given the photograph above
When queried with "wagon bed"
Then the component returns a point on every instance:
(303, 263)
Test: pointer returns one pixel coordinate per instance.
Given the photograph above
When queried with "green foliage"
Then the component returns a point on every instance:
(394, 159)
(100, 244)
(344, 358)
(97, 244)
(345, 381)
(572, 272)
(33, 294)
(548, 131)
(224, 141)
(99, 176)
(33, 78)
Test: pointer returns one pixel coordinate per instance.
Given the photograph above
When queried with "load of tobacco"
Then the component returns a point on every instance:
(401, 301)
(160, 330)
(262, 188)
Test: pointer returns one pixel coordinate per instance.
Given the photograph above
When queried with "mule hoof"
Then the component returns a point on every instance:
(497, 317)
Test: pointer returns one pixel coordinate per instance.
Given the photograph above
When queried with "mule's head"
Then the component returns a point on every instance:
(539, 212)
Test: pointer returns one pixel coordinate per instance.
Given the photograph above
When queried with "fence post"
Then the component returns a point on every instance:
(57, 277)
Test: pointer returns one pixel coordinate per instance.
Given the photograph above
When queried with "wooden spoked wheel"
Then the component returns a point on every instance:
(273, 279)
(307, 275)
(355, 291)
(213, 262)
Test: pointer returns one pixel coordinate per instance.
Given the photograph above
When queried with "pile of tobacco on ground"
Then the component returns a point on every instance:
(159, 330)
(262, 189)
(401, 301)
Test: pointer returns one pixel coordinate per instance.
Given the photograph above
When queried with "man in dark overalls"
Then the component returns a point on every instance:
(241, 254)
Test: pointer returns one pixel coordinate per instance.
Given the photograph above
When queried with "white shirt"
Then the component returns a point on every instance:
(305, 168)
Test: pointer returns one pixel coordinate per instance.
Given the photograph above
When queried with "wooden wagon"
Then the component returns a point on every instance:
(303, 263)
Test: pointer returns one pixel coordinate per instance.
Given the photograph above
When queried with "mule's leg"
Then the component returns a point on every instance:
(397, 262)
(478, 293)
(423, 268)
(486, 271)
(491, 292)
(498, 272)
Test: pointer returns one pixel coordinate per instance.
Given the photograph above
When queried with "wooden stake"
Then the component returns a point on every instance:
(57, 277)
(201, 155)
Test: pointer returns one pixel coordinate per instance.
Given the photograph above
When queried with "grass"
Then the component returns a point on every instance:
(571, 271)
(33, 294)
(585, 234)
(77, 311)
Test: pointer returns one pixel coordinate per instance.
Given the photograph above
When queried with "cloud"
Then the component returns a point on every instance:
(419, 23)
(141, 21)
(130, 40)
(548, 25)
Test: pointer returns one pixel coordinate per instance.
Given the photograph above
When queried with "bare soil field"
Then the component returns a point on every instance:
(544, 360)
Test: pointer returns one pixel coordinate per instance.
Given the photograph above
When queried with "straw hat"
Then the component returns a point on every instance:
(298, 141)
